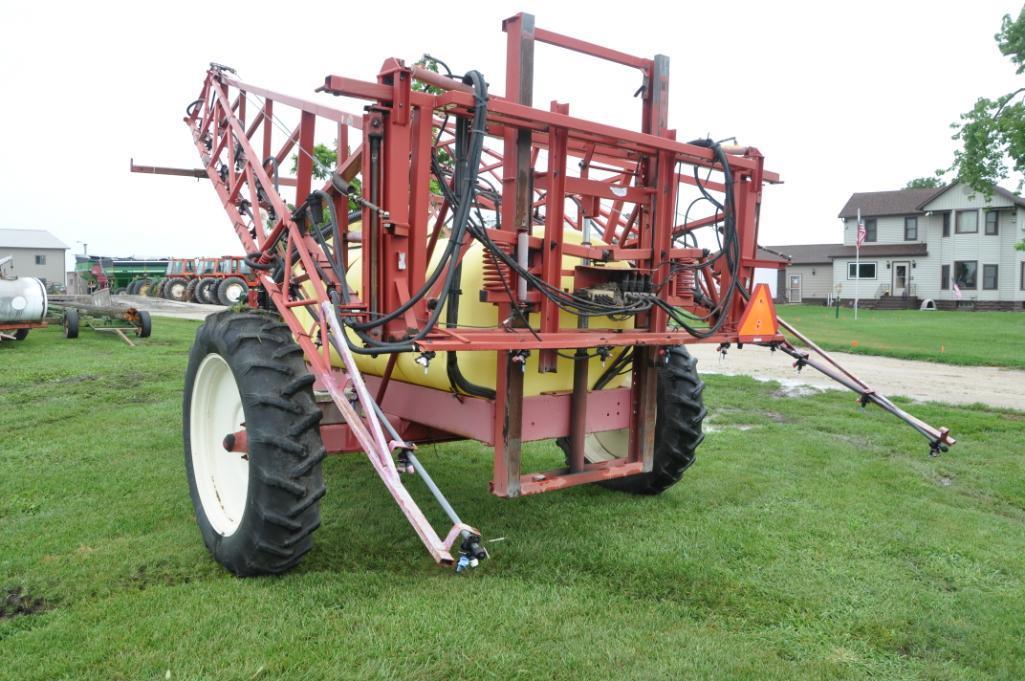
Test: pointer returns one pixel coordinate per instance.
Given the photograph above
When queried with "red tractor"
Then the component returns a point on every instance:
(224, 281)
(180, 273)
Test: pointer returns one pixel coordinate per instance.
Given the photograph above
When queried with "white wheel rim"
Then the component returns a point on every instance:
(234, 292)
(222, 477)
(177, 290)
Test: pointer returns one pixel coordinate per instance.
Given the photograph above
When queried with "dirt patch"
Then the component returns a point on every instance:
(17, 603)
(161, 573)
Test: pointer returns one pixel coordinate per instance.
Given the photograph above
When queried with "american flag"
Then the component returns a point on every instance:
(861, 231)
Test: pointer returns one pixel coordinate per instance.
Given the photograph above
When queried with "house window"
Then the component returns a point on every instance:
(992, 223)
(966, 274)
(40, 259)
(945, 278)
(946, 223)
(867, 270)
(870, 229)
(1022, 284)
(989, 277)
(911, 229)
(967, 222)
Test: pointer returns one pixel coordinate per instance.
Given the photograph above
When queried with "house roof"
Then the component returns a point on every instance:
(769, 253)
(806, 254)
(899, 202)
(881, 250)
(998, 190)
(29, 238)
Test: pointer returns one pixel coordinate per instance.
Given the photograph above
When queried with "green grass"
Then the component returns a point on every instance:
(970, 338)
(811, 540)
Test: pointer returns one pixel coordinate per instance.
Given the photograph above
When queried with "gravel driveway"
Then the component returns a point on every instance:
(923, 381)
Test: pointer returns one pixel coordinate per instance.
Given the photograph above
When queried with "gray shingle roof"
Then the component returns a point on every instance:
(807, 254)
(881, 250)
(899, 202)
(29, 238)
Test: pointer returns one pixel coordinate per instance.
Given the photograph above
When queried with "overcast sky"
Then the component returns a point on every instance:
(840, 97)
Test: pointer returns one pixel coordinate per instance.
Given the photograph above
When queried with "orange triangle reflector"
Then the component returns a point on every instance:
(758, 322)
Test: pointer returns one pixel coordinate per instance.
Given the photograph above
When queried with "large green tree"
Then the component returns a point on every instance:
(924, 183)
(992, 133)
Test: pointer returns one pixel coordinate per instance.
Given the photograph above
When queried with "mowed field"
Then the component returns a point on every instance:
(812, 539)
(969, 338)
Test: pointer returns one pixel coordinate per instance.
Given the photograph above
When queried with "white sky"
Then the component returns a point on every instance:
(840, 97)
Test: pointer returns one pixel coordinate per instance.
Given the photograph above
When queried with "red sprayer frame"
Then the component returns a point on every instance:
(620, 186)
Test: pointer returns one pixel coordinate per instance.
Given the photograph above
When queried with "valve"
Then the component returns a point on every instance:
(403, 464)
(471, 552)
(723, 347)
(604, 351)
(424, 360)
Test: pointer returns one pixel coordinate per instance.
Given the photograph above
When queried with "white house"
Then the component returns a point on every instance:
(921, 244)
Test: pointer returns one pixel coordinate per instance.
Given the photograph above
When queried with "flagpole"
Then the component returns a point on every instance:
(857, 263)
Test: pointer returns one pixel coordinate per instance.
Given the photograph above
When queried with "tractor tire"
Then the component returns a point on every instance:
(175, 289)
(145, 324)
(132, 286)
(71, 323)
(156, 289)
(190, 291)
(232, 291)
(142, 288)
(164, 287)
(206, 292)
(257, 511)
(679, 411)
(119, 291)
(21, 334)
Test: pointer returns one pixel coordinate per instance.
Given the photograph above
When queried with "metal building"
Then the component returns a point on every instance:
(35, 253)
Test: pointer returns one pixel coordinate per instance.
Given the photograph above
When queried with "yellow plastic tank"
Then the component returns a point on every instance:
(479, 367)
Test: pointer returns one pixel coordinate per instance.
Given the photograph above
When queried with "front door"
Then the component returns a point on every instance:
(900, 278)
(794, 288)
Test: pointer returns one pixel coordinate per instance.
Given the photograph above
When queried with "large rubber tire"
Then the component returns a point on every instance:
(680, 409)
(190, 291)
(145, 324)
(176, 288)
(206, 292)
(133, 286)
(156, 289)
(143, 287)
(269, 389)
(71, 323)
(232, 291)
(21, 334)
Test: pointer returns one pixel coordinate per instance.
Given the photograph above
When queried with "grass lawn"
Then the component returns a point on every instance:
(810, 540)
(972, 338)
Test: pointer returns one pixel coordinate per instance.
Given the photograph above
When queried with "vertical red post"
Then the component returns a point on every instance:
(551, 251)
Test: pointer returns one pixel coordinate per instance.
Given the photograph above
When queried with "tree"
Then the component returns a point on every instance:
(992, 134)
(924, 183)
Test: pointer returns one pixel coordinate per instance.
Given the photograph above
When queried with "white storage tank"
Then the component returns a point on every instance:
(22, 300)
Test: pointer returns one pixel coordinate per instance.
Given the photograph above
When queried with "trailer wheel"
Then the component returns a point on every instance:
(145, 324)
(71, 323)
(232, 290)
(190, 291)
(256, 511)
(176, 289)
(680, 409)
(21, 334)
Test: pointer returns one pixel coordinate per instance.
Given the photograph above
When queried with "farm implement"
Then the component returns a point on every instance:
(512, 274)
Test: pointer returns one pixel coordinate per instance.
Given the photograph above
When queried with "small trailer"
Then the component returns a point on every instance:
(121, 321)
